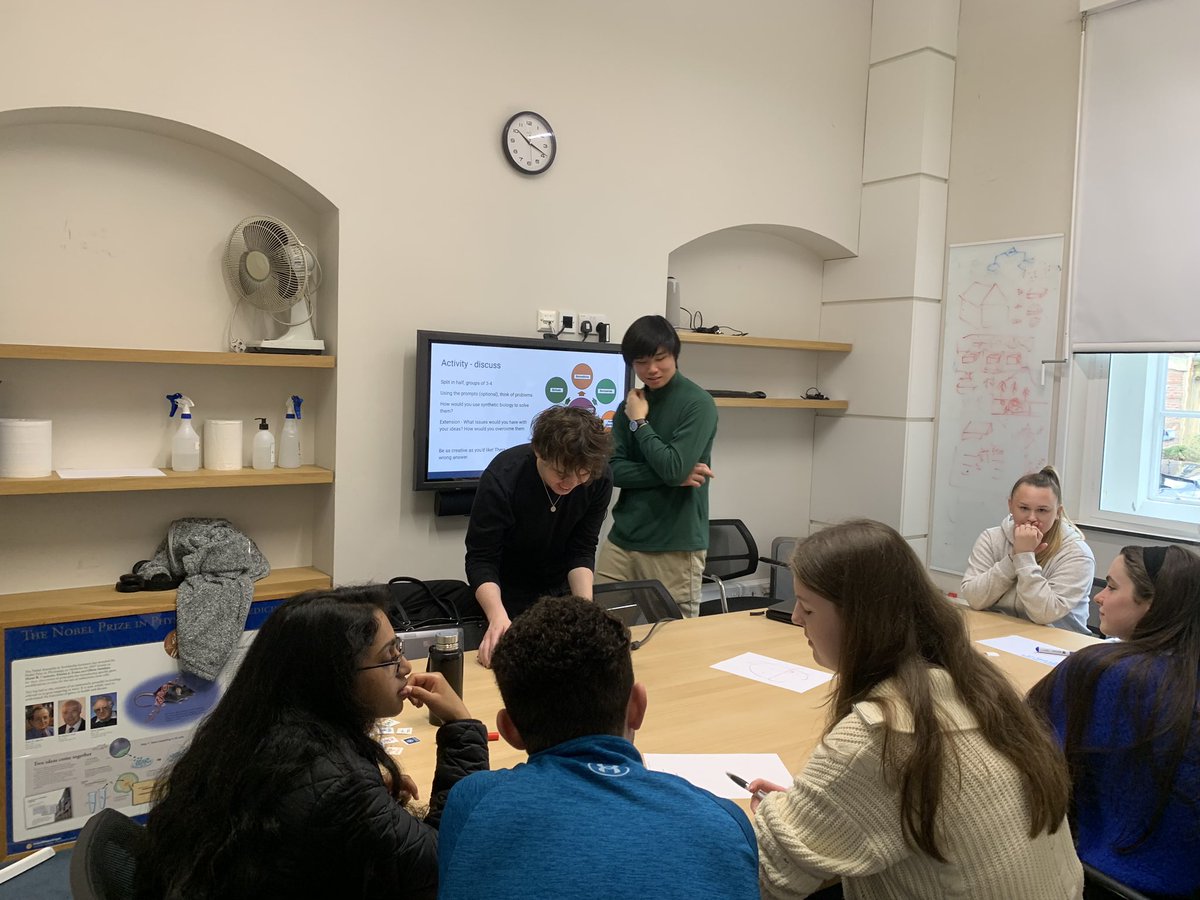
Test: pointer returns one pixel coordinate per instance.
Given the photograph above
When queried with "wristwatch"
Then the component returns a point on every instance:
(635, 424)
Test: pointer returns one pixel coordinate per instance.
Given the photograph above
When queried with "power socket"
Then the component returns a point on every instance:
(547, 320)
(567, 322)
(594, 320)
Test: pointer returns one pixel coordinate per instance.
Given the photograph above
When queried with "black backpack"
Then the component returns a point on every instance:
(416, 605)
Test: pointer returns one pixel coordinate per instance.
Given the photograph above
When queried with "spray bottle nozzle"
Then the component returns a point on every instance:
(262, 423)
(180, 400)
(292, 407)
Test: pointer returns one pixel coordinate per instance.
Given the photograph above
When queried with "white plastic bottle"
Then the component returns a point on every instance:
(263, 454)
(289, 438)
(185, 446)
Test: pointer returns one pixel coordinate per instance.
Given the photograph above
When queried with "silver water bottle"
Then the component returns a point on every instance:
(446, 657)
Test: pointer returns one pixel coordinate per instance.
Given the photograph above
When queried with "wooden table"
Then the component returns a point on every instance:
(694, 708)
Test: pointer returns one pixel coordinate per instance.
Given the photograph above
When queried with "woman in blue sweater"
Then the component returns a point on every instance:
(1126, 715)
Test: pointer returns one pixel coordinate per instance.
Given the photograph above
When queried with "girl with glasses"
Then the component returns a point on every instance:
(283, 793)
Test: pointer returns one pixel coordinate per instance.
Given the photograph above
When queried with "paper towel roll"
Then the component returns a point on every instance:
(223, 444)
(24, 448)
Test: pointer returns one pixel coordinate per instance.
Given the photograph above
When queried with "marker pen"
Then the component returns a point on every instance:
(745, 785)
(1052, 651)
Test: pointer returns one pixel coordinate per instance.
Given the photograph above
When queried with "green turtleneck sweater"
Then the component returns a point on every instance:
(654, 513)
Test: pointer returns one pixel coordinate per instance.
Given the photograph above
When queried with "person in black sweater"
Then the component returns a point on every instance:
(536, 518)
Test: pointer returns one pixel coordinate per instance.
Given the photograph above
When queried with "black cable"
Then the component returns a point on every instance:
(653, 628)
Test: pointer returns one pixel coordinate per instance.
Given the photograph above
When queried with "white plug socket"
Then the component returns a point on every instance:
(547, 320)
(593, 319)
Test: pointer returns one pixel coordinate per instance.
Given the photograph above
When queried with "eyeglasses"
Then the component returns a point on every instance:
(398, 647)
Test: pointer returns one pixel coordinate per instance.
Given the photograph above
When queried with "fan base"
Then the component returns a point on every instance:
(303, 347)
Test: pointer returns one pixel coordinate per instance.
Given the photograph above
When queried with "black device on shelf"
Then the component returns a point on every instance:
(477, 394)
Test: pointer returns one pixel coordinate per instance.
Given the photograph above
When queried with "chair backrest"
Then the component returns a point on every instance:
(1098, 886)
(732, 552)
(637, 602)
(781, 578)
(1093, 622)
(105, 857)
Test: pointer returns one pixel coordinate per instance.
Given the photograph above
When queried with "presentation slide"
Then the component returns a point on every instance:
(484, 399)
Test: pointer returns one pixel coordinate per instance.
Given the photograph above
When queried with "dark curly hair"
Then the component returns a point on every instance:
(564, 671)
(572, 440)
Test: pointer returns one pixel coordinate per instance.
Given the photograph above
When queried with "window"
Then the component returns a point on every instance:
(1144, 475)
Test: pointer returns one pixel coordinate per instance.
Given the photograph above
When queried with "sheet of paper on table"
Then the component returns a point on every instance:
(707, 770)
(1019, 646)
(782, 674)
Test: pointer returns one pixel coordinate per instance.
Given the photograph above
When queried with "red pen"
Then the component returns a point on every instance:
(493, 735)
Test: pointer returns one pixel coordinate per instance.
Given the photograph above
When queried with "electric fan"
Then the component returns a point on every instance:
(269, 267)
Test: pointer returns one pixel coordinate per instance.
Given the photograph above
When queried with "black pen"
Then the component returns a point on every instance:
(745, 785)
(1052, 651)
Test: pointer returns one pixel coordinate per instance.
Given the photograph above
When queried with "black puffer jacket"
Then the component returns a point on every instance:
(344, 836)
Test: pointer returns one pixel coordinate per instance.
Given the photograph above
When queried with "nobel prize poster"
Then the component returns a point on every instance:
(95, 710)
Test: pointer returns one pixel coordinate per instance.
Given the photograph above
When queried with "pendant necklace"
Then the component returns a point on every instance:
(555, 501)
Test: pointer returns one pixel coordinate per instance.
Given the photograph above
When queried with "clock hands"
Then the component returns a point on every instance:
(529, 142)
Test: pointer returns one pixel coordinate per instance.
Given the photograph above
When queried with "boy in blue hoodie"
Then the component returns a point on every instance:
(584, 817)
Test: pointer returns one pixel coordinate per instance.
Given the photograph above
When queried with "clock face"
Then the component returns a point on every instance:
(529, 143)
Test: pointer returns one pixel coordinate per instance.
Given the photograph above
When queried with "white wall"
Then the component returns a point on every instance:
(675, 120)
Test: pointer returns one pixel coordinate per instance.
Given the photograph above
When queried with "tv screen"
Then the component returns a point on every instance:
(478, 394)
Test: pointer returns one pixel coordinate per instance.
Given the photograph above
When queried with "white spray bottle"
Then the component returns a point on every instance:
(263, 455)
(185, 446)
(289, 438)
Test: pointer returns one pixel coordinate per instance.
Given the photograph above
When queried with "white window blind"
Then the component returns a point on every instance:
(1137, 249)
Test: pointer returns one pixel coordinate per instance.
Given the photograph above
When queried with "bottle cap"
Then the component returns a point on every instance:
(262, 423)
(447, 641)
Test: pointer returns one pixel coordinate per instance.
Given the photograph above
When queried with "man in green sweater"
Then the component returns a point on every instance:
(662, 447)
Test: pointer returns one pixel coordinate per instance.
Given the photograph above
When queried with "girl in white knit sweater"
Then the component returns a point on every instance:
(933, 778)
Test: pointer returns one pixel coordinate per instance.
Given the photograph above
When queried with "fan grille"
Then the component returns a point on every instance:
(266, 264)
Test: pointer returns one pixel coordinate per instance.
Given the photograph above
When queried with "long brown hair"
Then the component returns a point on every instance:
(1158, 694)
(1047, 477)
(896, 624)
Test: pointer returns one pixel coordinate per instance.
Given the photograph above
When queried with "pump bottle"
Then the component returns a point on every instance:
(446, 657)
(263, 454)
(289, 438)
(185, 446)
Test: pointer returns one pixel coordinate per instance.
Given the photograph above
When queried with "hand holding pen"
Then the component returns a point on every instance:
(758, 788)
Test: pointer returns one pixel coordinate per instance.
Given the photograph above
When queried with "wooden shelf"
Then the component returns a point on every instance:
(173, 481)
(102, 601)
(778, 403)
(169, 357)
(728, 340)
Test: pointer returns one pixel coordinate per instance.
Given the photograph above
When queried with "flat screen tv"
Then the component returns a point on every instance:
(477, 394)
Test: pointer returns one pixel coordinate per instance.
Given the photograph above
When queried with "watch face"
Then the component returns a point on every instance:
(529, 143)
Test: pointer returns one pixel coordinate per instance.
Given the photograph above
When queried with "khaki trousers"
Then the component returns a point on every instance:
(678, 570)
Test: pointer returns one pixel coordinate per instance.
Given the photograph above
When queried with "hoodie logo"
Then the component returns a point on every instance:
(609, 771)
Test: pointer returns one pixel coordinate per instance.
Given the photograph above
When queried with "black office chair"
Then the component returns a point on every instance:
(1098, 886)
(1093, 622)
(732, 553)
(637, 602)
(105, 857)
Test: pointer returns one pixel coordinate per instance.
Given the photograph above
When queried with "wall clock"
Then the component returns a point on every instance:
(529, 143)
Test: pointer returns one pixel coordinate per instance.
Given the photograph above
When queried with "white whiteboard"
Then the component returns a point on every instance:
(1000, 322)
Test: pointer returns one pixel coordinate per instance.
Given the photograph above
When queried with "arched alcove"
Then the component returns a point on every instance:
(111, 235)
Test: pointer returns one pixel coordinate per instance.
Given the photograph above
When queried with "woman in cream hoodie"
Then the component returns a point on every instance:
(1035, 564)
